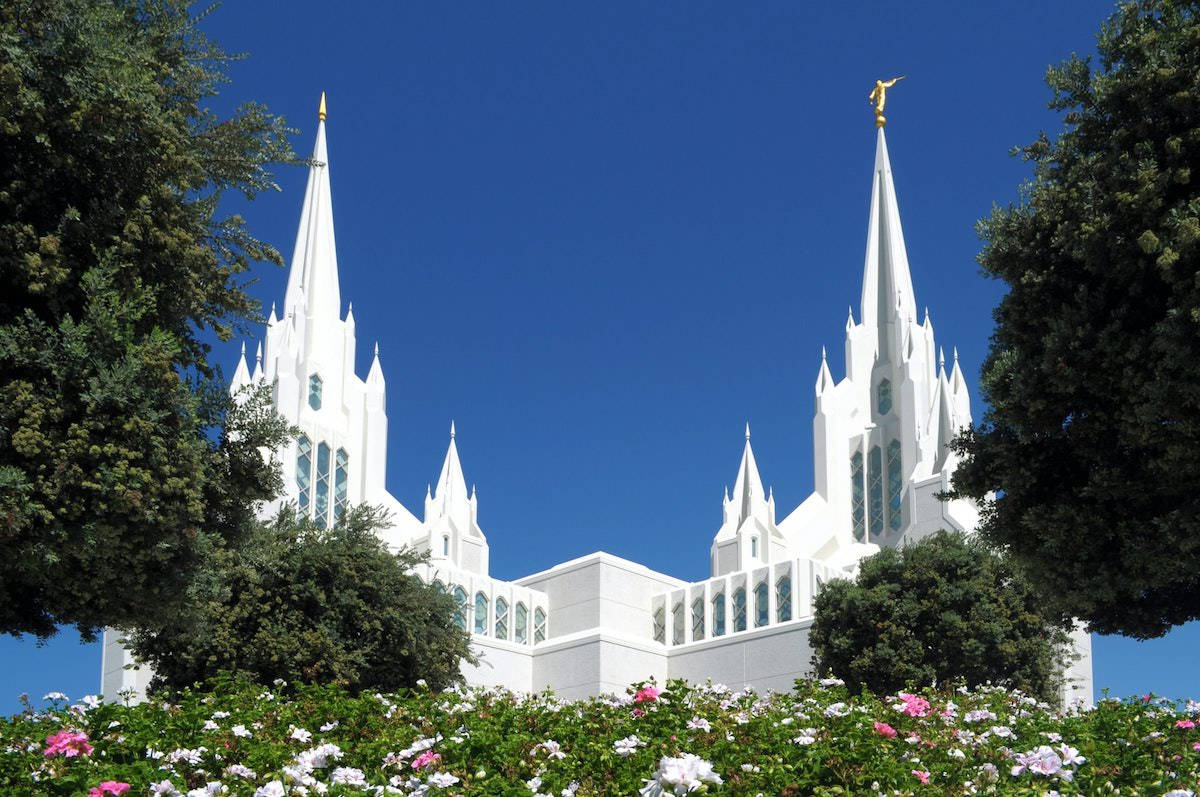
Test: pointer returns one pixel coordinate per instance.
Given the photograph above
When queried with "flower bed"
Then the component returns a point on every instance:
(816, 740)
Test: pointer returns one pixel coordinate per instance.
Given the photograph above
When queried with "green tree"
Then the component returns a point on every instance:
(114, 268)
(941, 609)
(303, 603)
(1088, 460)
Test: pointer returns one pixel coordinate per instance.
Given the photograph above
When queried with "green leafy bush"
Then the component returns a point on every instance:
(240, 739)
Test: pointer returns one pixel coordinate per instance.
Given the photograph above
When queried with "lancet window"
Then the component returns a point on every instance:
(856, 497)
(894, 485)
(341, 478)
(718, 605)
(762, 614)
(698, 618)
(501, 618)
(304, 471)
(754, 547)
(481, 613)
(445, 545)
(521, 629)
(677, 624)
(883, 396)
(739, 609)
(660, 625)
(875, 491)
(314, 392)
(460, 614)
(783, 598)
(322, 485)
(539, 625)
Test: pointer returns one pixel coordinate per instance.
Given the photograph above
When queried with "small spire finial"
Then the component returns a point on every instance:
(941, 357)
(822, 354)
(955, 354)
(878, 97)
(451, 430)
(243, 348)
(321, 109)
(376, 348)
(747, 430)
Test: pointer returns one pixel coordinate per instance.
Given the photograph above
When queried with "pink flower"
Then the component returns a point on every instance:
(67, 743)
(638, 713)
(914, 706)
(647, 694)
(425, 759)
(1196, 746)
(883, 729)
(922, 775)
(1185, 724)
(108, 787)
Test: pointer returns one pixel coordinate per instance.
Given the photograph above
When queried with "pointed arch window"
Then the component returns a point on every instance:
(857, 512)
(739, 609)
(303, 472)
(460, 614)
(698, 618)
(677, 624)
(539, 625)
(438, 587)
(875, 492)
(754, 547)
(762, 612)
(883, 397)
(521, 626)
(445, 545)
(323, 485)
(660, 625)
(501, 618)
(341, 479)
(481, 613)
(718, 607)
(314, 392)
(895, 485)
(783, 598)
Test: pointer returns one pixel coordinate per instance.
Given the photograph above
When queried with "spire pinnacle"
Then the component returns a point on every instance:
(376, 348)
(941, 357)
(321, 109)
(887, 291)
(747, 430)
(451, 430)
(822, 354)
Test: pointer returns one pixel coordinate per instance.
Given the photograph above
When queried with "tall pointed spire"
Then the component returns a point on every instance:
(313, 279)
(748, 486)
(451, 484)
(824, 377)
(241, 376)
(887, 290)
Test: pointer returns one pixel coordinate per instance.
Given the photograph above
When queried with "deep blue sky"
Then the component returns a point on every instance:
(601, 237)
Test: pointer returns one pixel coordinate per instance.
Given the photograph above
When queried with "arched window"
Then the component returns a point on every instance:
(884, 397)
(698, 618)
(754, 547)
(660, 625)
(539, 625)
(314, 392)
(521, 629)
(340, 481)
(894, 485)
(481, 613)
(322, 485)
(501, 618)
(739, 609)
(304, 472)
(856, 497)
(460, 614)
(875, 492)
(677, 624)
(445, 545)
(783, 598)
(762, 614)
(718, 606)
(438, 586)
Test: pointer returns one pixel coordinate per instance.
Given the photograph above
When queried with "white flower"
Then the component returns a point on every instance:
(165, 788)
(209, 725)
(54, 696)
(699, 724)
(91, 701)
(627, 746)
(442, 780)
(183, 754)
(272, 789)
(300, 735)
(956, 753)
(240, 730)
(211, 789)
(1042, 761)
(349, 776)
(241, 771)
(805, 738)
(534, 783)
(832, 682)
(422, 682)
(220, 715)
(680, 776)
(837, 710)
(318, 757)
(1070, 756)
(327, 727)
(979, 715)
(1003, 731)
(1179, 793)
(553, 749)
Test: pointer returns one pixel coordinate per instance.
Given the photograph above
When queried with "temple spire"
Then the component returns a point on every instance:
(451, 485)
(887, 291)
(313, 279)
(747, 488)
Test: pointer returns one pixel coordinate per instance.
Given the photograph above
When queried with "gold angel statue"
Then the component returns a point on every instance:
(878, 97)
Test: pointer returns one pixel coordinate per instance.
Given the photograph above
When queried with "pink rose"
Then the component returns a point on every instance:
(647, 694)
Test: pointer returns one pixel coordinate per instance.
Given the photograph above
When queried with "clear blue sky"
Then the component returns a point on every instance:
(603, 236)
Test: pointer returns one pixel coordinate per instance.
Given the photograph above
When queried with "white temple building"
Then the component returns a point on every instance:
(598, 623)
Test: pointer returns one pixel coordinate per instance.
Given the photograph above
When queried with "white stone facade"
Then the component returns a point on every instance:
(598, 623)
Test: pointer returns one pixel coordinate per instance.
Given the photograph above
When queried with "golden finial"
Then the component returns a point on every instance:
(878, 97)
(321, 110)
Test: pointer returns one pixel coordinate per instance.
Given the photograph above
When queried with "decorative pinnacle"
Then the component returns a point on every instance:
(941, 357)
(451, 430)
(747, 430)
(822, 354)
(955, 354)
(243, 348)
(377, 348)
(321, 109)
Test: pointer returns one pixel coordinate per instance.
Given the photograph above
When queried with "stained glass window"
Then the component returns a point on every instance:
(718, 603)
(501, 618)
(739, 609)
(762, 613)
(698, 618)
(894, 485)
(304, 471)
(314, 392)
(460, 614)
(340, 481)
(521, 630)
(856, 497)
(539, 625)
(875, 491)
(481, 613)
(322, 516)
(783, 598)
(884, 397)
(677, 624)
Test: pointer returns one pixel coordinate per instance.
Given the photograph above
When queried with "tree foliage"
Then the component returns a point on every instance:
(114, 266)
(303, 603)
(941, 609)
(1088, 460)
